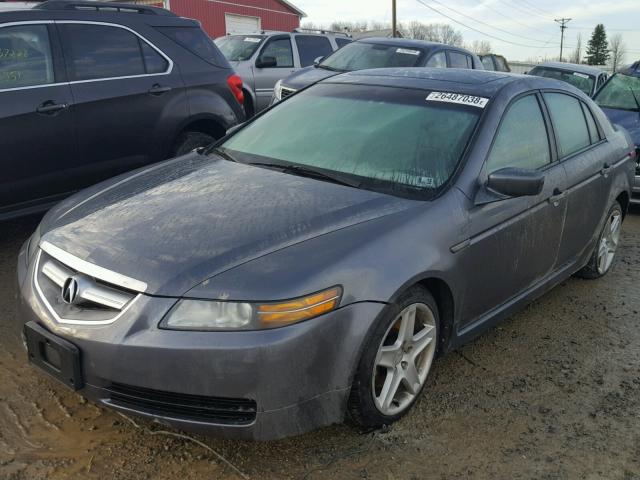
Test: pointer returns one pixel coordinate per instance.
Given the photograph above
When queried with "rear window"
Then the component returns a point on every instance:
(197, 42)
(362, 55)
(580, 80)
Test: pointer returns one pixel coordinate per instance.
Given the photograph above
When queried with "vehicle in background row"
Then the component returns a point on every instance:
(285, 279)
(584, 77)
(495, 63)
(378, 53)
(619, 98)
(89, 90)
(262, 59)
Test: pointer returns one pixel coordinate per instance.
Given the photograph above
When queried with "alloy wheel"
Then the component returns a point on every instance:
(404, 359)
(609, 242)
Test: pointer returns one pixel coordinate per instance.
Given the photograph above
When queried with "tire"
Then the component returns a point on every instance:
(189, 141)
(608, 239)
(366, 405)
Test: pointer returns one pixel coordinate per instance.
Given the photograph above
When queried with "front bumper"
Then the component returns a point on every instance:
(299, 376)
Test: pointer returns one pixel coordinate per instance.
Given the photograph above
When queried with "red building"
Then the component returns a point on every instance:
(222, 17)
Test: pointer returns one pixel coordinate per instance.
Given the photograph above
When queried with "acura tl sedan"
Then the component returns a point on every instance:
(309, 268)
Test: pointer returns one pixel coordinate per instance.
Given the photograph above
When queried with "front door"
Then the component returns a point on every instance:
(280, 49)
(122, 87)
(514, 242)
(37, 142)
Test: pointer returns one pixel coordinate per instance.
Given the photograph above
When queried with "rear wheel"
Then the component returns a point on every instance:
(396, 360)
(189, 141)
(604, 253)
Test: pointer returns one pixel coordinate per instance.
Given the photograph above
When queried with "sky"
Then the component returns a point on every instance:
(518, 29)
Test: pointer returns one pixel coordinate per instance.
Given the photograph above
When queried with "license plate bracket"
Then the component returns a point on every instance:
(54, 355)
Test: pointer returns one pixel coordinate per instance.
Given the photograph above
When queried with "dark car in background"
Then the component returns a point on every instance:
(378, 53)
(586, 78)
(619, 98)
(264, 58)
(89, 90)
(282, 280)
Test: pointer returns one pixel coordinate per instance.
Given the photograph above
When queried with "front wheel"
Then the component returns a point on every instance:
(396, 361)
(605, 251)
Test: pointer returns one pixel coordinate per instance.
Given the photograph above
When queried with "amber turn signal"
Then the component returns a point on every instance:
(303, 308)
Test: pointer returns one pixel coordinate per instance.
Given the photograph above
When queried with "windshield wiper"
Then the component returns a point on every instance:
(303, 171)
(222, 153)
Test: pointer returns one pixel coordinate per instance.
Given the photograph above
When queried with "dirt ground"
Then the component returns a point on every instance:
(553, 393)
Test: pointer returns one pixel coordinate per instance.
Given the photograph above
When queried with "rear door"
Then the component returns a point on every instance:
(37, 142)
(583, 153)
(122, 86)
(280, 48)
(514, 242)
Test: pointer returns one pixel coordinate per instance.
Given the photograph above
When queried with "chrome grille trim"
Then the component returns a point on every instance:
(55, 272)
(93, 270)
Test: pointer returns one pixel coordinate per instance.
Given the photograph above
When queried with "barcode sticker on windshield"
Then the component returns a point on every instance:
(252, 39)
(408, 51)
(581, 75)
(459, 98)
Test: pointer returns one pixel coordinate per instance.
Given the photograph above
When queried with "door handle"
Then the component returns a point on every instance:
(157, 89)
(50, 108)
(606, 168)
(557, 196)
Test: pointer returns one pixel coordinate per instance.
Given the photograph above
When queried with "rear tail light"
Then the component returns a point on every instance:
(235, 84)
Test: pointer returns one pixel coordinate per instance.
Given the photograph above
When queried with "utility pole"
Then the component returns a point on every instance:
(394, 27)
(563, 26)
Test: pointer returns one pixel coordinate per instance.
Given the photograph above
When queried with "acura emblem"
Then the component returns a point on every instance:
(70, 290)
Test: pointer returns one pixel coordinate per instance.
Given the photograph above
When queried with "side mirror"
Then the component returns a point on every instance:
(317, 60)
(526, 72)
(516, 182)
(267, 62)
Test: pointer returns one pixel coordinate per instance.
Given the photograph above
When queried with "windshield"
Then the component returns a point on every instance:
(380, 138)
(360, 56)
(238, 48)
(580, 80)
(619, 92)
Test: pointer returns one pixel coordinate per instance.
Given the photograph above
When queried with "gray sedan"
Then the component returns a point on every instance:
(309, 268)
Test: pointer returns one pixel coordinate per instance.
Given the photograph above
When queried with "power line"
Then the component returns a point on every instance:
(487, 24)
(476, 30)
(534, 8)
(508, 17)
(527, 12)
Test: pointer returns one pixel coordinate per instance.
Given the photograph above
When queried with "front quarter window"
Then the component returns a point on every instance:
(382, 138)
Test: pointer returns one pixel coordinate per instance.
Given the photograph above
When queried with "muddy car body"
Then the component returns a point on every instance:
(322, 289)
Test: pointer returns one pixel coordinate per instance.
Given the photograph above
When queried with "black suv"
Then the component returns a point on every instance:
(89, 90)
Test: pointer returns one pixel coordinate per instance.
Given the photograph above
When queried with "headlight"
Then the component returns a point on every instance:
(34, 241)
(216, 315)
(277, 90)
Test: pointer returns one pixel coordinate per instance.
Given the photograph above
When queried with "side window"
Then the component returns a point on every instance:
(153, 61)
(197, 42)
(568, 122)
(522, 140)
(341, 42)
(99, 51)
(591, 124)
(280, 49)
(437, 60)
(459, 60)
(25, 56)
(487, 63)
(311, 47)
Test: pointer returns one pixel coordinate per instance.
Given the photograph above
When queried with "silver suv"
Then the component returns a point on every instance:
(263, 58)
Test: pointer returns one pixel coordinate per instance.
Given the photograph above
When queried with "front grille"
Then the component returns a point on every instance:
(285, 92)
(94, 302)
(229, 411)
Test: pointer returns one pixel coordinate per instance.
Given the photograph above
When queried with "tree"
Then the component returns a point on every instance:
(597, 48)
(481, 47)
(576, 55)
(617, 49)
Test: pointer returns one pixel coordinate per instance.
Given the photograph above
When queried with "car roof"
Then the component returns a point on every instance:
(410, 43)
(573, 67)
(632, 70)
(483, 83)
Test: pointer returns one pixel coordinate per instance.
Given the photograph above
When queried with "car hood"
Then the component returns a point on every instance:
(628, 119)
(307, 76)
(179, 223)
